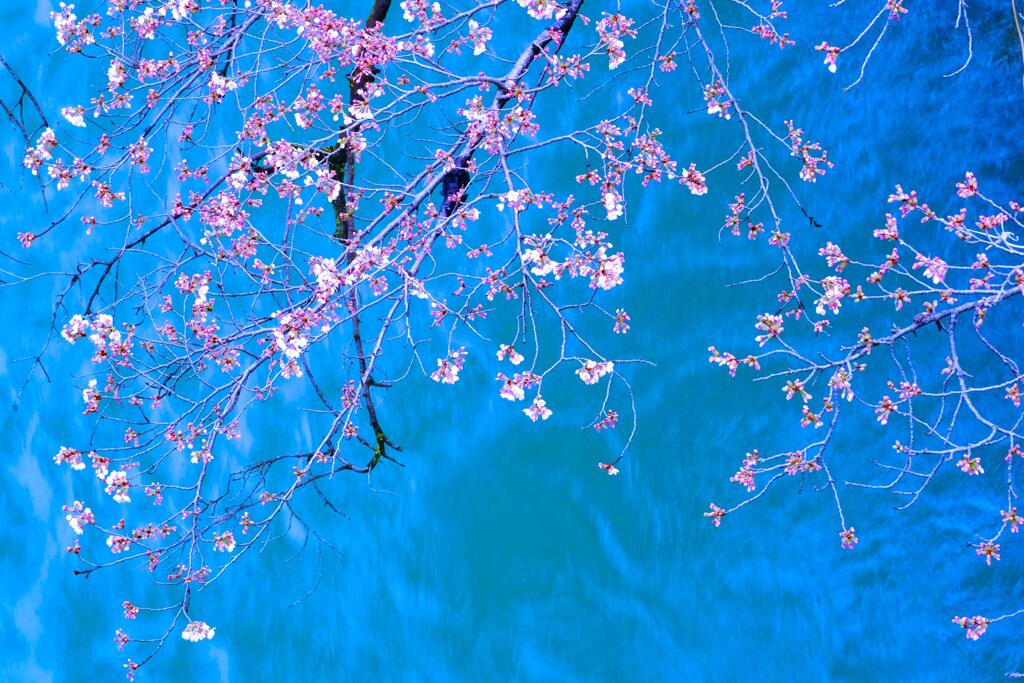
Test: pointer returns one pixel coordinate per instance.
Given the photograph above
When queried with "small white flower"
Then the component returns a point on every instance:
(118, 485)
(612, 205)
(74, 115)
(198, 630)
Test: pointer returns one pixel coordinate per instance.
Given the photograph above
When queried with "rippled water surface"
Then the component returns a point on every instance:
(500, 551)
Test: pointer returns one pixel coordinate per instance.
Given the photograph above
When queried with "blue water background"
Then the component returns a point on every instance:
(501, 552)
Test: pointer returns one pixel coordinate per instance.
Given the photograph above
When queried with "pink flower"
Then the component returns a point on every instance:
(694, 181)
(327, 279)
(513, 389)
(608, 274)
(201, 455)
(43, 151)
(542, 9)
(78, 516)
(70, 456)
(988, 550)
(198, 630)
(909, 390)
(884, 409)
(479, 35)
(621, 321)
(76, 329)
(794, 387)
(118, 544)
(895, 8)
(934, 268)
(890, 231)
(538, 409)
(770, 325)
(592, 371)
(831, 53)
(116, 75)
(808, 419)
(74, 115)
(1013, 519)
(812, 156)
(847, 538)
(611, 29)
(506, 351)
(715, 514)
(795, 463)
(448, 368)
(717, 107)
(610, 469)
(612, 205)
(834, 257)
(969, 465)
(840, 383)
(224, 542)
(745, 478)
(833, 290)
(607, 422)
(118, 485)
(969, 187)
(418, 10)
(220, 86)
(975, 626)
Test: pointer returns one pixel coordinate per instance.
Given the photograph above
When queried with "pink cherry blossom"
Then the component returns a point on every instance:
(970, 465)
(975, 626)
(988, 550)
(224, 542)
(592, 371)
(448, 368)
(513, 356)
(831, 54)
(538, 409)
(715, 514)
(196, 631)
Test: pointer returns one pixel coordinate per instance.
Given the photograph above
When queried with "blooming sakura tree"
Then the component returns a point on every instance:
(277, 198)
(949, 361)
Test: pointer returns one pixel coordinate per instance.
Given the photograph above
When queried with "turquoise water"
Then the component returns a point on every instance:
(500, 551)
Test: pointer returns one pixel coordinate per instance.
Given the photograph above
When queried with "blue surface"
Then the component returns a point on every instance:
(500, 552)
